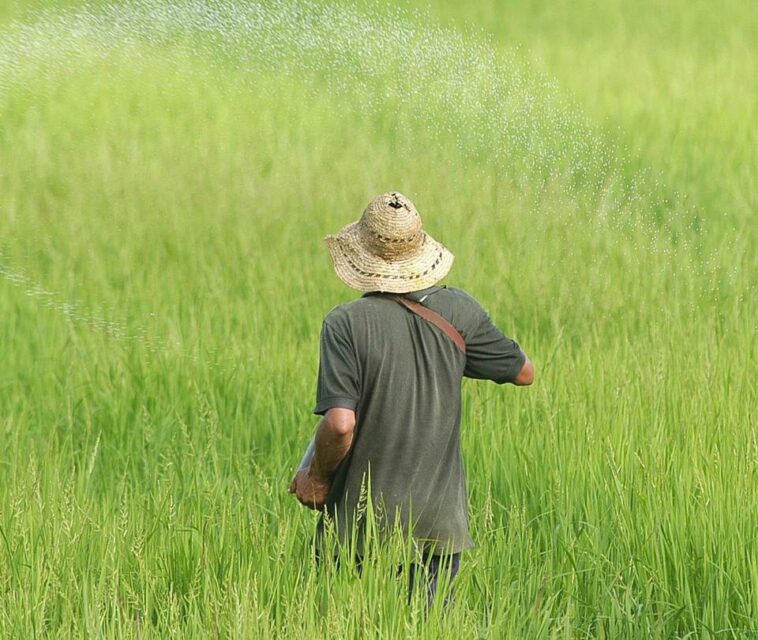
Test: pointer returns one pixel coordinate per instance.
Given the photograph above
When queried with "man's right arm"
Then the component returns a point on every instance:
(491, 355)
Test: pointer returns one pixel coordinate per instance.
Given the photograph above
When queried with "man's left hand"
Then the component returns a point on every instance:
(310, 490)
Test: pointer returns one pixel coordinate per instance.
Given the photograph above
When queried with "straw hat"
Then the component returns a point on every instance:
(387, 250)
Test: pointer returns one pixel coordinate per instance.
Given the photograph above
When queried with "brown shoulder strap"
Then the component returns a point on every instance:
(435, 318)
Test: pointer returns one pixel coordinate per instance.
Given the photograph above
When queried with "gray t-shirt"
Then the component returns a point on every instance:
(402, 376)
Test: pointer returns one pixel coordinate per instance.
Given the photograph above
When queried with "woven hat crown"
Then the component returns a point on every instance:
(391, 227)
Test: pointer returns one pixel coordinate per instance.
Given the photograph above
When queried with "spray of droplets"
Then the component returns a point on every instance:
(456, 82)
(489, 103)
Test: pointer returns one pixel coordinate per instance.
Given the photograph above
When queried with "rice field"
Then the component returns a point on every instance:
(167, 174)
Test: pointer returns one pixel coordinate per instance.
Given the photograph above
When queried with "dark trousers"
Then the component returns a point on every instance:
(427, 574)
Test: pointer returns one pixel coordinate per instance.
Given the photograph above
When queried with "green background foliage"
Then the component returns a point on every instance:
(163, 280)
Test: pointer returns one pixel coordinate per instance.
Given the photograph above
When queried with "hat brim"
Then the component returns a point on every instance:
(363, 270)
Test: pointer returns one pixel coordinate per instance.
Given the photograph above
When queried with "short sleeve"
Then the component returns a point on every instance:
(338, 373)
(491, 355)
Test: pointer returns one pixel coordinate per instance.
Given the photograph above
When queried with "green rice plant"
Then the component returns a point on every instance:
(163, 201)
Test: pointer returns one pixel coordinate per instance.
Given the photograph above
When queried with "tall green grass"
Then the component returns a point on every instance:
(163, 282)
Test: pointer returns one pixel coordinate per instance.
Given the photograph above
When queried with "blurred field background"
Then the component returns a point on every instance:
(164, 193)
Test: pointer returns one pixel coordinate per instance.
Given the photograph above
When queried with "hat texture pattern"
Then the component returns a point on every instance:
(387, 249)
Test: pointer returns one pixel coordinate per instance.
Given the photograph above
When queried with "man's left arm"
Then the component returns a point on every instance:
(337, 396)
(334, 437)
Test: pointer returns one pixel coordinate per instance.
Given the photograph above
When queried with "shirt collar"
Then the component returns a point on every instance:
(418, 296)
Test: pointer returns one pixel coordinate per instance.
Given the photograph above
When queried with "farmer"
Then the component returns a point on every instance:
(389, 387)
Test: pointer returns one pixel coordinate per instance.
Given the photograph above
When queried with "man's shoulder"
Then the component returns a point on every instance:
(342, 313)
(460, 295)
(458, 299)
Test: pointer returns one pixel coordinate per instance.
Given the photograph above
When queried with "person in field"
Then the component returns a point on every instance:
(389, 388)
